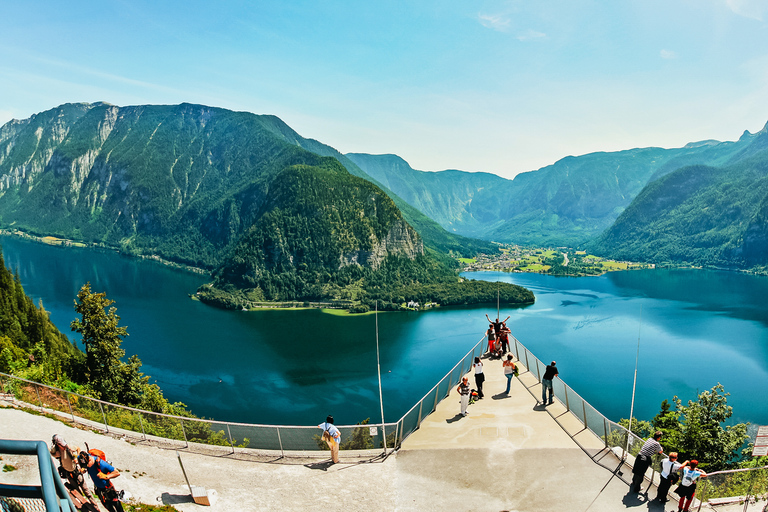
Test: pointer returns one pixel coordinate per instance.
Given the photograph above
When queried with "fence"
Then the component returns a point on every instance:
(267, 440)
(722, 487)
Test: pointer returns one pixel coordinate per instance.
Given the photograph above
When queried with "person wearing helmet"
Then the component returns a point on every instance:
(102, 473)
(70, 473)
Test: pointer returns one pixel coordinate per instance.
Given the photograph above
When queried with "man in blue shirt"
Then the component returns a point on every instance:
(332, 437)
(102, 473)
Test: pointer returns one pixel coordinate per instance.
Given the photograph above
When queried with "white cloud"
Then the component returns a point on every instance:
(668, 54)
(530, 35)
(754, 9)
(496, 22)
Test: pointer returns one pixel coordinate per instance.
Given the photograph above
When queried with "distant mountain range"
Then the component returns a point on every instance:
(566, 203)
(197, 185)
(273, 215)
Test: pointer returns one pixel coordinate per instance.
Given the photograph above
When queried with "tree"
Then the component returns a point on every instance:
(668, 423)
(111, 378)
(702, 435)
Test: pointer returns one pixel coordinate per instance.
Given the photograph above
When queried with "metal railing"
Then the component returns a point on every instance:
(267, 440)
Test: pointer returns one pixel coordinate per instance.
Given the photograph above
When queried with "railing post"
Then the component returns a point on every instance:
(605, 431)
(106, 426)
(584, 411)
(230, 439)
(437, 395)
(538, 370)
(280, 440)
(517, 348)
(418, 423)
(402, 427)
(567, 404)
(69, 403)
(184, 432)
(527, 365)
(141, 422)
(39, 402)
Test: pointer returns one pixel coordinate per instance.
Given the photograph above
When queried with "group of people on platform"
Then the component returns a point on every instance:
(74, 463)
(686, 473)
(498, 337)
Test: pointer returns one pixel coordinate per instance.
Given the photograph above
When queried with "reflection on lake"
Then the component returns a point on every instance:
(295, 367)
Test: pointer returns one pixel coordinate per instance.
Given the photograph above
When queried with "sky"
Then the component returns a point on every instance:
(500, 86)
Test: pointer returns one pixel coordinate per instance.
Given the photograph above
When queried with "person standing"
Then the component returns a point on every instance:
(509, 371)
(332, 437)
(70, 473)
(643, 460)
(669, 467)
(491, 333)
(463, 390)
(687, 487)
(102, 473)
(546, 383)
(504, 337)
(479, 377)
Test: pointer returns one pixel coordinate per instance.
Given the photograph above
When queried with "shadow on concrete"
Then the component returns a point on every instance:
(455, 418)
(323, 466)
(176, 499)
(633, 499)
(500, 396)
(539, 407)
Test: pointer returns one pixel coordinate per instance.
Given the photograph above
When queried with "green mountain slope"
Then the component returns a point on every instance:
(180, 181)
(566, 203)
(698, 214)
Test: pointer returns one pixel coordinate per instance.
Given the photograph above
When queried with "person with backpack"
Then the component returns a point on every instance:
(669, 475)
(102, 473)
(687, 487)
(70, 473)
(510, 370)
(332, 437)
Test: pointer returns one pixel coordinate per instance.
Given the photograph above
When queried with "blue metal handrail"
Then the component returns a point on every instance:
(51, 491)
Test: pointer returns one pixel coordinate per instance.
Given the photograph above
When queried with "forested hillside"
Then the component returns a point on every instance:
(698, 214)
(323, 235)
(566, 203)
(180, 181)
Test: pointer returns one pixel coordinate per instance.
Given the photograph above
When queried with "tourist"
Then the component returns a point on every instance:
(669, 476)
(496, 324)
(332, 437)
(102, 473)
(546, 383)
(643, 460)
(69, 471)
(504, 337)
(479, 377)
(509, 371)
(463, 390)
(491, 333)
(687, 487)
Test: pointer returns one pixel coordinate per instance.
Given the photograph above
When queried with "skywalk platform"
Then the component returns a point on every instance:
(509, 454)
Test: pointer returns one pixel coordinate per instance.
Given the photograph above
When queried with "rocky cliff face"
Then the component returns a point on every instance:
(401, 240)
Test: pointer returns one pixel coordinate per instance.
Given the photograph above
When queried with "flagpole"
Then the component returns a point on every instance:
(634, 383)
(378, 367)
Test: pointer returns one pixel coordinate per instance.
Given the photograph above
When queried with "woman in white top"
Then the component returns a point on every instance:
(479, 377)
(669, 467)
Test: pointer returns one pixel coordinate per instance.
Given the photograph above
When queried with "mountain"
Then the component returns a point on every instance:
(179, 181)
(699, 214)
(566, 203)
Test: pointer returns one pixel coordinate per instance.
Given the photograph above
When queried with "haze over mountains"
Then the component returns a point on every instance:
(189, 182)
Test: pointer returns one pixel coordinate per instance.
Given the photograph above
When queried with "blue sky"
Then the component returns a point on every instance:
(498, 86)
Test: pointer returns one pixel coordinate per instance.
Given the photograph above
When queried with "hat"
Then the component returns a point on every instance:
(57, 439)
(83, 458)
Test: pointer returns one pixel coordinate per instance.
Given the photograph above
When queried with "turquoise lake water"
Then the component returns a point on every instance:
(696, 328)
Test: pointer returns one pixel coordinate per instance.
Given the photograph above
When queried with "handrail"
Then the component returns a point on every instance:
(51, 489)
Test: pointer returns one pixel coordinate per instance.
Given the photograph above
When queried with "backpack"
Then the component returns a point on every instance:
(97, 453)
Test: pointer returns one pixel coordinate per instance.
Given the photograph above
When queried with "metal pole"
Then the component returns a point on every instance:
(69, 403)
(418, 423)
(605, 431)
(526, 360)
(584, 410)
(280, 440)
(378, 367)
(39, 402)
(567, 405)
(143, 434)
(634, 383)
(184, 432)
(230, 439)
(104, 416)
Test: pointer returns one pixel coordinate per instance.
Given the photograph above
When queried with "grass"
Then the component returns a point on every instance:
(467, 261)
(614, 265)
(7, 468)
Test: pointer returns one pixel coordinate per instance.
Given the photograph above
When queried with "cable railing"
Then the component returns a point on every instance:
(362, 440)
(722, 487)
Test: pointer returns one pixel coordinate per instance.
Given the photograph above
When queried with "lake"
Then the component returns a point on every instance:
(695, 327)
